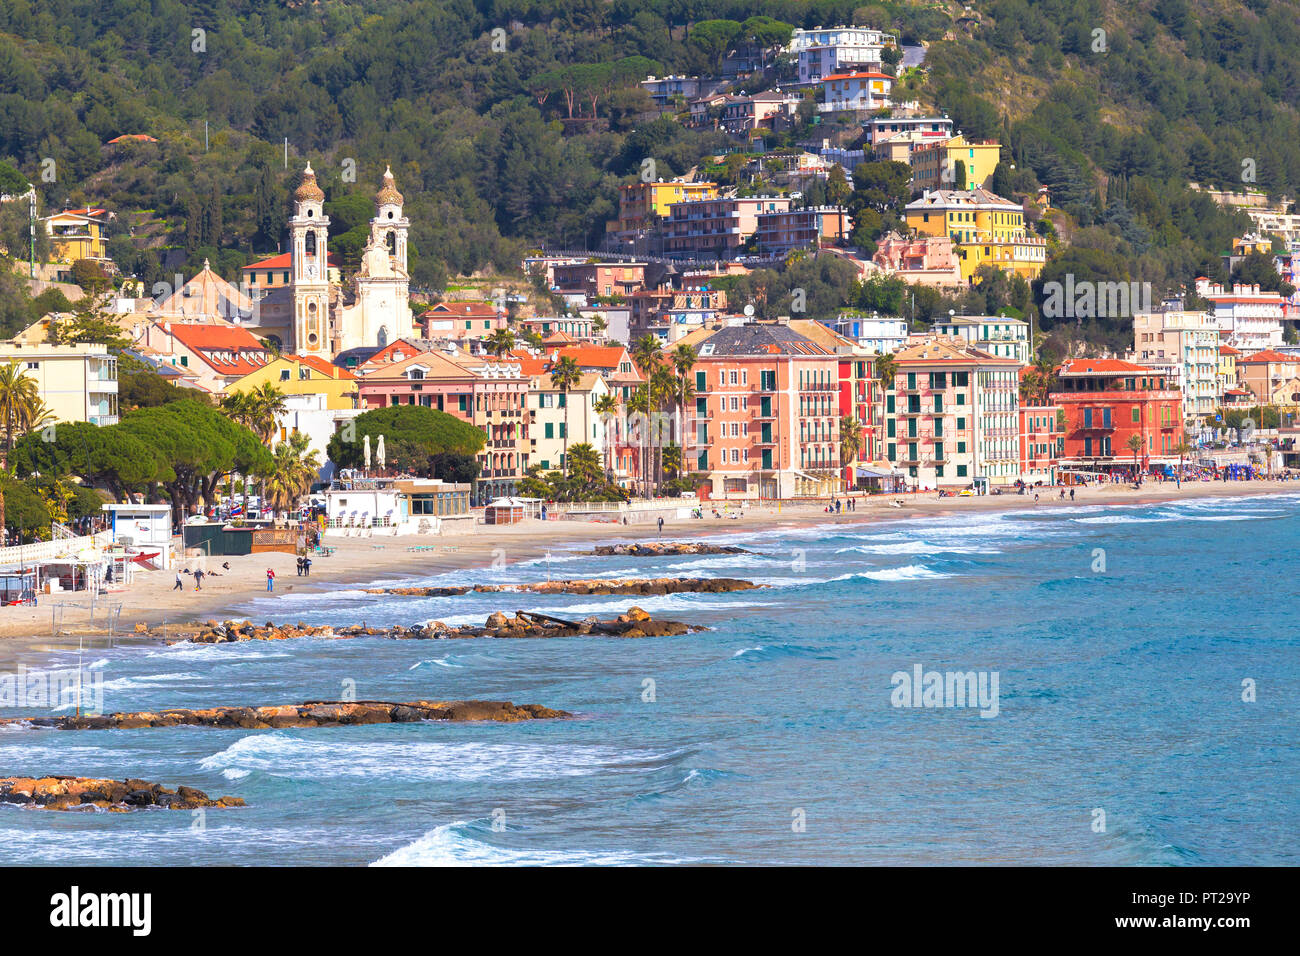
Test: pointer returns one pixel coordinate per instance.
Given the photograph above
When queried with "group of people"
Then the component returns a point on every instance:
(836, 506)
(304, 565)
(198, 574)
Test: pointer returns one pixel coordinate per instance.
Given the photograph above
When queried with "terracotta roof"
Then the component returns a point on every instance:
(284, 260)
(1268, 355)
(1102, 367)
(1228, 350)
(464, 310)
(321, 365)
(229, 349)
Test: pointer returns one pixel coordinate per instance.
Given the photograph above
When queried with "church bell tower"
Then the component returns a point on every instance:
(309, 249)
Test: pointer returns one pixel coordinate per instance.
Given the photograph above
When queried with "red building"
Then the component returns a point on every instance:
(1106, 402)
(1041, 443)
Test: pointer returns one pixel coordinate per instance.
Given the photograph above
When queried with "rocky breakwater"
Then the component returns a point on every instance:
(615, 586)
(635, 623)
(310, 714)
(660, 549)
(71, 793)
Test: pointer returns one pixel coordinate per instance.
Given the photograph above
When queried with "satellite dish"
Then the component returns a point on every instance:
(749, 310)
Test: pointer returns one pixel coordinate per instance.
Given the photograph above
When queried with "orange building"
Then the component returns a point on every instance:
(766, 421)
(1106, 402)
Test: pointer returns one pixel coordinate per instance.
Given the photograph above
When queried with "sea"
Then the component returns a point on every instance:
(1138, 665)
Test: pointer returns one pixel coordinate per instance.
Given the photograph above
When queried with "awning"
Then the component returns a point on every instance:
(867, 471)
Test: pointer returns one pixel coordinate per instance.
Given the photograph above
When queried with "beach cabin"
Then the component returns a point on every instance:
(511, 510)
(143, 533)
(362, 506)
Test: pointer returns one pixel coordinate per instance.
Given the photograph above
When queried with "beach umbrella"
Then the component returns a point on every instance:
(379, 452)
(367, 452)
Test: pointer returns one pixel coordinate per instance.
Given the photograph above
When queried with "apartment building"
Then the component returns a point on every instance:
(600, 278)
(766, 420)
(1272, 377)
(935, 163)
(780, 232)
(559, 418)
(77, 383)
(998, 335)
(1106, 401)
(865, 90)
(715, 228)
(951, 416)
(986, 229)
(1248, 319)
(642, 205)
(1188, 340)
(884, 127)
(1042, 440)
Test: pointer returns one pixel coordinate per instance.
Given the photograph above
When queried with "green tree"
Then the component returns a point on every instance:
(293, 468)
(414, 437)
(565, 374)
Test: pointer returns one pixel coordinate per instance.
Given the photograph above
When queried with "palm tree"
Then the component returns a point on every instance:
(850, 439)
(886, 369)
(606, 407)
(639, 404)
(500, 342)
(20, 408)
(683, 393)
(565, 374)
(294, 467)
(534, 339)
(1134, 445)
(663, 384)
(683, 359)
(583, 463)
(1184, 449)
(20, 401)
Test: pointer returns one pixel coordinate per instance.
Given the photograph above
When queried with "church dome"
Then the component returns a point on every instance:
(388, 193)
(308, 191)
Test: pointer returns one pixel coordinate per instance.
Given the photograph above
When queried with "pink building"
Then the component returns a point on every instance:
(928, 260)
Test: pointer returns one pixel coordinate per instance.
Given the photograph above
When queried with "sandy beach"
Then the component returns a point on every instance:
(151, 599)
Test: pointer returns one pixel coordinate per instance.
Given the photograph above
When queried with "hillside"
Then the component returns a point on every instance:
(512, 123)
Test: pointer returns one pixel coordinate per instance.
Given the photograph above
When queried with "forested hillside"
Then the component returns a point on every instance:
(513, 122)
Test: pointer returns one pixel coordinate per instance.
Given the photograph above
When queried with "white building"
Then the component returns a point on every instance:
(1187, 341)
(360, 506)
(866, 90)
(144, 528)
(553, 415)
(77, 383)
(310, 415)
(995, 334)
(1247, 318)
(882, 335)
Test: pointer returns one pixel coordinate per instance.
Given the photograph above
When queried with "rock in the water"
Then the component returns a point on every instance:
(68, 793)
(310, 714)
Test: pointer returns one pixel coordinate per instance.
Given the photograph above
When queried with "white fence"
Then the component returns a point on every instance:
(24, 554)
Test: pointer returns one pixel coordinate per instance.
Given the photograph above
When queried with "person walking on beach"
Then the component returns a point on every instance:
(661, 526)
(1071, 494)
(299, 565)
(306, 566)
(270, 579)
(179, 585)
(198, 580)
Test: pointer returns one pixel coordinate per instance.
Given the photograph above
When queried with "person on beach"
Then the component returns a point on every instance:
(270, 579)
(179, 585)
(661, 525)
(306, 566)
(299, 565)
(198, 580)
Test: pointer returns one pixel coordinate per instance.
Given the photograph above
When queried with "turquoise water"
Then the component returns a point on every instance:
(771, 738)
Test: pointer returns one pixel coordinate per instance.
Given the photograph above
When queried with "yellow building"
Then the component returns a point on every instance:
(78, 234)
(640, 203)
(934, 164)
(985, 229)
(304, 375)
(77, 383)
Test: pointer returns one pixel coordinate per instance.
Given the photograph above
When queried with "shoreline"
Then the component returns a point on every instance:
(384, 560)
